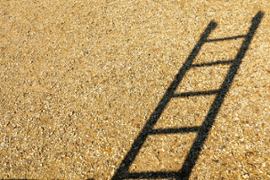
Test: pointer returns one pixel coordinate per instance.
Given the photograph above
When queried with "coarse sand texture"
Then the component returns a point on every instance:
(125, 89)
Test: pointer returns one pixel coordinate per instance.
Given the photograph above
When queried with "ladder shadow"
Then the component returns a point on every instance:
(202, 130)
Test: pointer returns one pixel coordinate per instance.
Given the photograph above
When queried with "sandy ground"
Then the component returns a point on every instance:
(79, 79)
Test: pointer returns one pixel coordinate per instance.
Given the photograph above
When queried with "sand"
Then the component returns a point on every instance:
(79, 79)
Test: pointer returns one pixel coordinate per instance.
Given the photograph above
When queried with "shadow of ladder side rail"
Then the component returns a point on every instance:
(202, 131)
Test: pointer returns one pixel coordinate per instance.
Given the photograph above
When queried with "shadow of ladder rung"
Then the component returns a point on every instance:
(202, 131)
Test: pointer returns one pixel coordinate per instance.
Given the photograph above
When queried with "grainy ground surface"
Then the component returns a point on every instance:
(79, 78)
